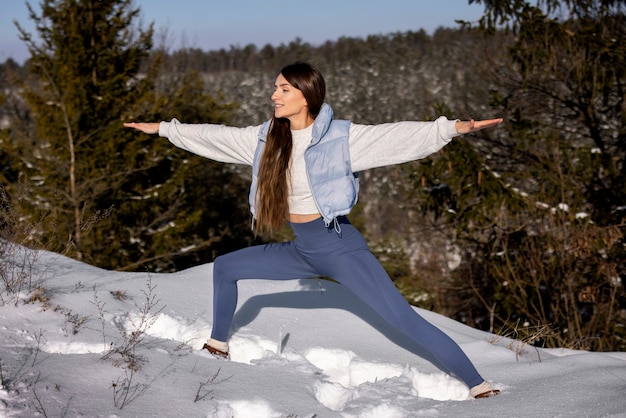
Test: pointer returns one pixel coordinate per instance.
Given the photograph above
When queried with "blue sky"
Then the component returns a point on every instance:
(210, 25)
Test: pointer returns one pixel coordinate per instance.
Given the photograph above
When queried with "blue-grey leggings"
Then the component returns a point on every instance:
(318, 250)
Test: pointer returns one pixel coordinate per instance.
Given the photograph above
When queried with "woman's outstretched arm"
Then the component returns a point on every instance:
(398, 142)
(222, 143)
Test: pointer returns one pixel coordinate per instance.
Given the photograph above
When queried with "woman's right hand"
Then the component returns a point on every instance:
(148, 128)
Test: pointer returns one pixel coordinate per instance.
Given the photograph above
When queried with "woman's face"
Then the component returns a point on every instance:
(289, 102)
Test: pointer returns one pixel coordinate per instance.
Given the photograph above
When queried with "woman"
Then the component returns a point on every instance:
(305, 170)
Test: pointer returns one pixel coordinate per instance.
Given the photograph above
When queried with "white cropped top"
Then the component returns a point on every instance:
(300, 197)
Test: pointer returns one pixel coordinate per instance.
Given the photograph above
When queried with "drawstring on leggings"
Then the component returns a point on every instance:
(337, 226)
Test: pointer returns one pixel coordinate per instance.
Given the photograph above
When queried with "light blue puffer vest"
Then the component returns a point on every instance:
(334, 186)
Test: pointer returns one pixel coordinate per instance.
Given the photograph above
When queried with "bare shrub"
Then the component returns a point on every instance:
(124, 352)
(18, 276)
(202, 393)
(20, 239)
(563, 280)
(124, 389)
(523, 337)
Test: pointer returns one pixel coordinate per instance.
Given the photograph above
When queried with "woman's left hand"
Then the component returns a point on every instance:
(465, 127)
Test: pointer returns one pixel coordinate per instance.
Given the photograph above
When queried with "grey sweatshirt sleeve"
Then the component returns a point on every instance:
(395, 143)
(222, 143)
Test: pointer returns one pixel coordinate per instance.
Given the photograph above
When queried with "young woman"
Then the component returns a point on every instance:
(305, 171)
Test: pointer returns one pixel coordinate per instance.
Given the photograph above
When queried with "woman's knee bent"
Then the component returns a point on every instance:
(223, 268)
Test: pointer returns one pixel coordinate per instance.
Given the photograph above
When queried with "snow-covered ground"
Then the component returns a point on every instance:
(98, 343)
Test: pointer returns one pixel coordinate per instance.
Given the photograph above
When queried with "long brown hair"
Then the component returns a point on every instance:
(272, 207)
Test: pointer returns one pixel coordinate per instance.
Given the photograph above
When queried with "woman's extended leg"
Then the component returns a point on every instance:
(346, 258)
(367, 279)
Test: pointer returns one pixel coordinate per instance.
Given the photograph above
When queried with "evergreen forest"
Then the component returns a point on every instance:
(518, 230)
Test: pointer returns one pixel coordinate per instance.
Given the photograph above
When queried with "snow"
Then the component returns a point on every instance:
(100, 343)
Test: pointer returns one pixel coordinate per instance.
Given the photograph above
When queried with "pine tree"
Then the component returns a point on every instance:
(111, 197)
(84, 75)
